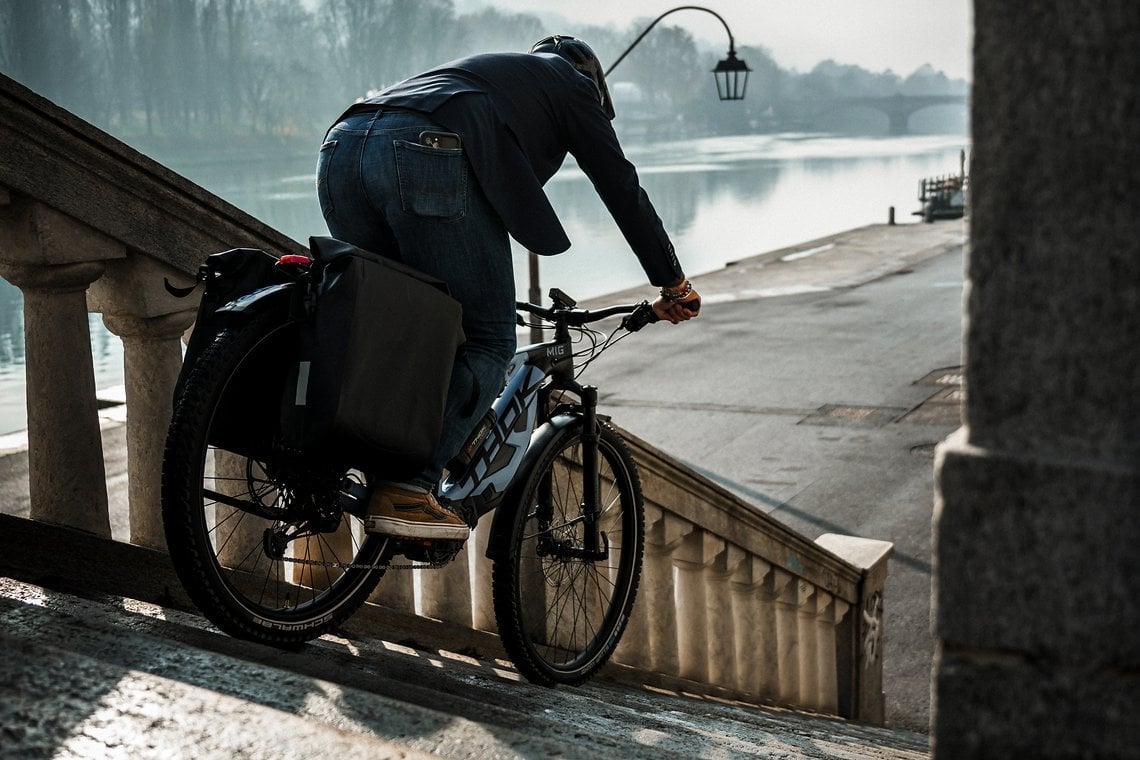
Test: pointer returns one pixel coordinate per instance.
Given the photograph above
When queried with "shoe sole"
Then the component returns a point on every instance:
(401, 529)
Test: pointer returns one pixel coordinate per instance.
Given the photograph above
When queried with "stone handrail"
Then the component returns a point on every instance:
(729, 597)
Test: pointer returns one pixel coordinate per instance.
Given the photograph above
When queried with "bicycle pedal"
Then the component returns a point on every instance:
(353, 497)
(432, 551)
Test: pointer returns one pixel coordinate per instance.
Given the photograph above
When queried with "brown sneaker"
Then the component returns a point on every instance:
(395, 511)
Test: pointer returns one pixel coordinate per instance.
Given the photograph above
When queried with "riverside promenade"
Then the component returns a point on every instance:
(814, 385)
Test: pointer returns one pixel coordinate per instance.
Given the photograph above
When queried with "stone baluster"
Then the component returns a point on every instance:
(831, 612)
(650, 640)
(445, 593)
(482, 605)
(806, 605)
(150, 321)
(768, 592)
(722, 660)
(396, 590)
(152, 358)
(690, 560)
(787, 636)
(754, 634)
(634, 649)
(53, 259)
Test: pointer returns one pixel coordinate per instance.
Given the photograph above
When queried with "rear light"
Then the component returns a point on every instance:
(294, 260)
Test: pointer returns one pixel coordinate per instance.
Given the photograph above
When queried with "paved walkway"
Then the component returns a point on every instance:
(816, 385)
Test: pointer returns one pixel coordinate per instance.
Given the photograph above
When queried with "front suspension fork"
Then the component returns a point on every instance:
(591, 493)
(595, 544)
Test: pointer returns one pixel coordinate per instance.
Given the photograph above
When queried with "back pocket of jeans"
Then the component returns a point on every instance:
(433, 181)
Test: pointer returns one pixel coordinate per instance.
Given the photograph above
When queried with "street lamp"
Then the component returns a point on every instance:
(731, 73)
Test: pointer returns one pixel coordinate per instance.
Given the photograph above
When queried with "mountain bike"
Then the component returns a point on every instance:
(268, 540)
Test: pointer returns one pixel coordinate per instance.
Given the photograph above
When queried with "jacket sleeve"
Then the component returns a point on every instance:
(592, 141)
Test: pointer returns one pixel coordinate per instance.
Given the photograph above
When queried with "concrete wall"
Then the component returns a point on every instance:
(1037, 526)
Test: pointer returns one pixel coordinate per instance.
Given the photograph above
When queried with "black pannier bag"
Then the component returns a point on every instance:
(248, 414)
(370, 382)
(228, 275)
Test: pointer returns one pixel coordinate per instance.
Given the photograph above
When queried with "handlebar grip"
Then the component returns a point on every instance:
(643, 315)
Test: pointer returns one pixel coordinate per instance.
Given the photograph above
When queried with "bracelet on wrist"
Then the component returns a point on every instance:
(682, 292)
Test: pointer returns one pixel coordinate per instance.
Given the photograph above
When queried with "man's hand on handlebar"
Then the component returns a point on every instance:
(678, 303)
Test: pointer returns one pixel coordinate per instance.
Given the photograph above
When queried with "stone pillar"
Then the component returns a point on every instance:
(653, 625)
(396, 590)
(787, 637)
(446, 591)
(482, 603)
(1037, 513)
(137, 308)
(825, 661)
(152, 359)
(721, 628)
(863, 698)
(53, 259)
(634, 648)
(807, 603)
(691, 560)
(749, 630)
(770, 589)
(67, 478)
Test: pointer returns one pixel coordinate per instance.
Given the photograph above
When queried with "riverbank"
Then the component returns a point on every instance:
(843, 260)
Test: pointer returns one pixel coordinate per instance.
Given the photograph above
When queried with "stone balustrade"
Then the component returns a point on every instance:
(88, 224)
(729, 598)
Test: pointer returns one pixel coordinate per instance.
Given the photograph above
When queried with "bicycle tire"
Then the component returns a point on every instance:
(221, 553)
(560, 618)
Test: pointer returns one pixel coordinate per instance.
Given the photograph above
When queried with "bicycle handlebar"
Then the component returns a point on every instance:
(640, 314)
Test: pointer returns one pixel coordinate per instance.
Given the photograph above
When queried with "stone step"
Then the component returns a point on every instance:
(107, 675)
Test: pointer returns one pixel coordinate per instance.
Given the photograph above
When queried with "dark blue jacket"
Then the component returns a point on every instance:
(518, 115)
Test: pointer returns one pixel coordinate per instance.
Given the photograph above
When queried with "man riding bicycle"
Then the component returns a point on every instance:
(438, 170)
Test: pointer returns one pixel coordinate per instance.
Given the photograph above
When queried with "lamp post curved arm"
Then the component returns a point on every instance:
(640, 37)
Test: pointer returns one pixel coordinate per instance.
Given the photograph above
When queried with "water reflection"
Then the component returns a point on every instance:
(722, 199)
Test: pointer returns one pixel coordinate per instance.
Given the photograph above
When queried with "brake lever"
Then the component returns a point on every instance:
(643, 315)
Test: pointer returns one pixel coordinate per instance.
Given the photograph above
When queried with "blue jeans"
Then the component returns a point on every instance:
(382, 191)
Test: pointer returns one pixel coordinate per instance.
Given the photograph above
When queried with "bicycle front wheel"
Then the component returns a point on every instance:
(562, 596)
(257, 533)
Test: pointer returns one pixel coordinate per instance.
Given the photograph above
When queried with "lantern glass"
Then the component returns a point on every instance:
(731, 77)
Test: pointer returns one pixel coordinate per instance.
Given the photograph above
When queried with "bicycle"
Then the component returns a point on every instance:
(268, 541)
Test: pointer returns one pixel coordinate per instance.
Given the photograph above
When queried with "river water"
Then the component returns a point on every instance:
(721, 199)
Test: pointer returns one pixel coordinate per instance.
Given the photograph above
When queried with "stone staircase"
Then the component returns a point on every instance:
(88, 669)
(99, 675)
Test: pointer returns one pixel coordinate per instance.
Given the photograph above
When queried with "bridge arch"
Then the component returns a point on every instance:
(898, 109)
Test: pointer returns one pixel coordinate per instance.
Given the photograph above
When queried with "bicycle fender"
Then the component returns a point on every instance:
(261, 300)
(504, 515)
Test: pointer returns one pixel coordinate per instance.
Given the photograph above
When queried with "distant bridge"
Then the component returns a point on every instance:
(898, 108)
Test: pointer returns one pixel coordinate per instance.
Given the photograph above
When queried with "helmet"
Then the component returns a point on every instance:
(583, 58)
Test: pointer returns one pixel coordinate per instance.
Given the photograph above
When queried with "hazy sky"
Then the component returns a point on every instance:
(876, 34)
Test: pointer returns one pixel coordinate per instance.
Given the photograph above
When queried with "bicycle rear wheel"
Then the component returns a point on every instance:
(561, 607)
(257, 534)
